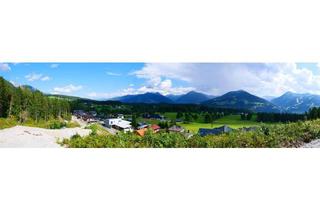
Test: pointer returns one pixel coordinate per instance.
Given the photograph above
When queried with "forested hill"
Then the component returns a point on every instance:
(23, 104)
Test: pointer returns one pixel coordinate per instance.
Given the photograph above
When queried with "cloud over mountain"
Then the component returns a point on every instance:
(4, 67)
(67, 89)
(218, 78)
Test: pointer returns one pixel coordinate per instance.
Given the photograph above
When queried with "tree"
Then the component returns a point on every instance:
(23, 103)
(179, 115)
(134, 121)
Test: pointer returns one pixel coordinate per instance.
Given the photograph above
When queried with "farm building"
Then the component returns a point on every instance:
(153, 116)
(141, 132)
(155, 128)
(176, 128)
(215, 131)
(142, 125)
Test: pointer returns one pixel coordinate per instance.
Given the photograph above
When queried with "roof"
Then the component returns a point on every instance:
(214, 131)
(176, 128)
(142, 126)
(155, 127)
(141, 132)
(121, 123)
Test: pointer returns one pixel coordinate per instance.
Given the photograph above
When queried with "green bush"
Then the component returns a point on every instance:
(265, 136)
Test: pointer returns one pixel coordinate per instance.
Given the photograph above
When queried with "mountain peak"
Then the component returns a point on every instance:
(241, 99)
(296, 102)
(192, 97)
(147, 98)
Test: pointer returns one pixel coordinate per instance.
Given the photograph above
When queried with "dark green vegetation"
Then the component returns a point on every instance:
(106, 108)
(25, 105)
(265, 136)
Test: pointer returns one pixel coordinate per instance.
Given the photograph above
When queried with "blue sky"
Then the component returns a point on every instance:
(107, 80)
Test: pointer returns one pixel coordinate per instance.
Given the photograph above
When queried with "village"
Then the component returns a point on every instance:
(119, 123)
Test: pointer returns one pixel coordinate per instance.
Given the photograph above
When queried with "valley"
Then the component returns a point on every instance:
(234, 119)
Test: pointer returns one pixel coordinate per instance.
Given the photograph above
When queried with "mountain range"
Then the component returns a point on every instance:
(149, 98)
(297, 102)
(288, 102)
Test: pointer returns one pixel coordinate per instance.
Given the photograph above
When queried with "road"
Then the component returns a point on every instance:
(30, 137)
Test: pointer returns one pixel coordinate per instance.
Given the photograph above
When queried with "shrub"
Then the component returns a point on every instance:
(265, 136)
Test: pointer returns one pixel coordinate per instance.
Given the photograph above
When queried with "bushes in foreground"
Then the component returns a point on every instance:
(266, 136)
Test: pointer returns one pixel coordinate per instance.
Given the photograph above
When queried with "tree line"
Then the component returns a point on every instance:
(24, 103)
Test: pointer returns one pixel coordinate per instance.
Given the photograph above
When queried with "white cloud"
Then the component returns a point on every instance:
(45, 78)
(35, 77)
(164, 88)
(4, 67)
(54, 66)
(113, 73)
(257, 78)
(67, 89)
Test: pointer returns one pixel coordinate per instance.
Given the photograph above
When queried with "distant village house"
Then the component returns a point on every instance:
(119, 124)
(214, 131)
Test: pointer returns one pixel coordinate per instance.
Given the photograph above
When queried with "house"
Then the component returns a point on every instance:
(93, 113)
(176, 129)
(215, 131)
(120, 116)
(119, 124)
(141, 126)
(179, 120)
(141, 132)
(153, 116)
(78, 113)
(155, 128)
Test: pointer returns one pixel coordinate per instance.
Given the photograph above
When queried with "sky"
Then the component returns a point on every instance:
(108, 80)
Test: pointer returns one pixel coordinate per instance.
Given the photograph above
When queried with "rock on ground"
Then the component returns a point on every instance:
(29, 137)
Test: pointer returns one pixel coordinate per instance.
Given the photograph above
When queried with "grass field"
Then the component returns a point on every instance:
(233, 121)
(7, 123)
(50, 124)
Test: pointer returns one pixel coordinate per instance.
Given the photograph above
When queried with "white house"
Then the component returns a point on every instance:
(119, 124)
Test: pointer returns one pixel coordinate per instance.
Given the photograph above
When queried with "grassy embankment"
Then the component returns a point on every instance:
(49, 124)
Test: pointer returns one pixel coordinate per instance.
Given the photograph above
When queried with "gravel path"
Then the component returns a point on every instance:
(313, 144)
(29, 137)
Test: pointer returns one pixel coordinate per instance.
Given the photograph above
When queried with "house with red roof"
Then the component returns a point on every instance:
(155, 128)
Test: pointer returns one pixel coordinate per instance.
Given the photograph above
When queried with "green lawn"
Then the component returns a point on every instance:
(170, 115)
(234, 121)
(148, 121)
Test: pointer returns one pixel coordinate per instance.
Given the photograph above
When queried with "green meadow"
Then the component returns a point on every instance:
(233, 121)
